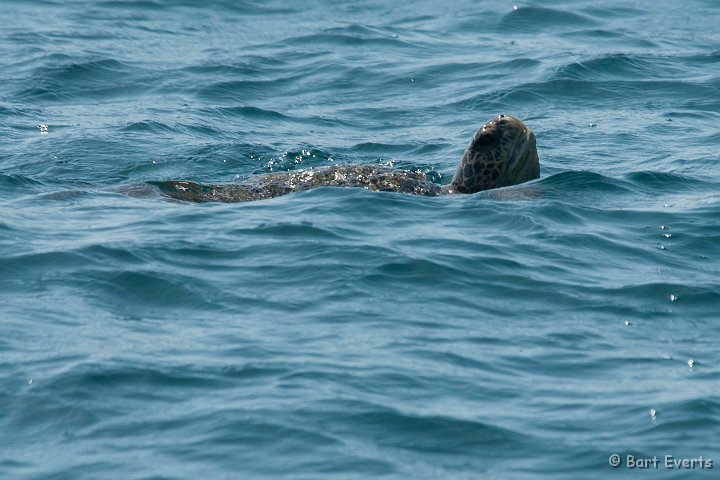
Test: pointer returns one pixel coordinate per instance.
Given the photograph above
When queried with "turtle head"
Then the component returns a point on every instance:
(501, 153)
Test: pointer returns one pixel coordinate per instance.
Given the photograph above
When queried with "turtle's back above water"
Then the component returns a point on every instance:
(501, 153)
(371, 177)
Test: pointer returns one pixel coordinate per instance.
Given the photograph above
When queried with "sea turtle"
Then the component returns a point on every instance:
(502, 153)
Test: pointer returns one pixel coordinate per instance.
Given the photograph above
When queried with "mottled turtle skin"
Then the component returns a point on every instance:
(502, 153)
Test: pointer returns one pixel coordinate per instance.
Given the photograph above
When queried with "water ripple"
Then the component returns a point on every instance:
(344, 333)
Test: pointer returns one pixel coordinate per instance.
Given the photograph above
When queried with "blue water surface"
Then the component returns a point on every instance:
(528, 332)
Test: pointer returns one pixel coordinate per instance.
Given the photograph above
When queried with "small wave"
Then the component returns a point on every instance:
(155, 127)
(621, 12)
(586, 93)
(705, 58)
(252, 113)
(252, 65)
(434, 433)
(233, 6)
(456, 71)
(413, 21)
(87, 377)
(63, 195)
(151, 289)
(290, 230)
(383, 148)
(692, 115)
(148, 126)
(16, 180)
(666, 181)
(584, 181)
(614, 66)
(352, 35)
(535, 19)
(90, 79)
(86, 71)
(245, 90)
(420, 270)
(623, 40)
(12, 112)
(262, 114)
(345, 40)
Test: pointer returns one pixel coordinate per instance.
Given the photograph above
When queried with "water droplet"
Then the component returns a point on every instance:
(673, 297)
(691, 362)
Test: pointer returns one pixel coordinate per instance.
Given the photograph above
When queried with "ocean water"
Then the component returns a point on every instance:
(525, 333)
